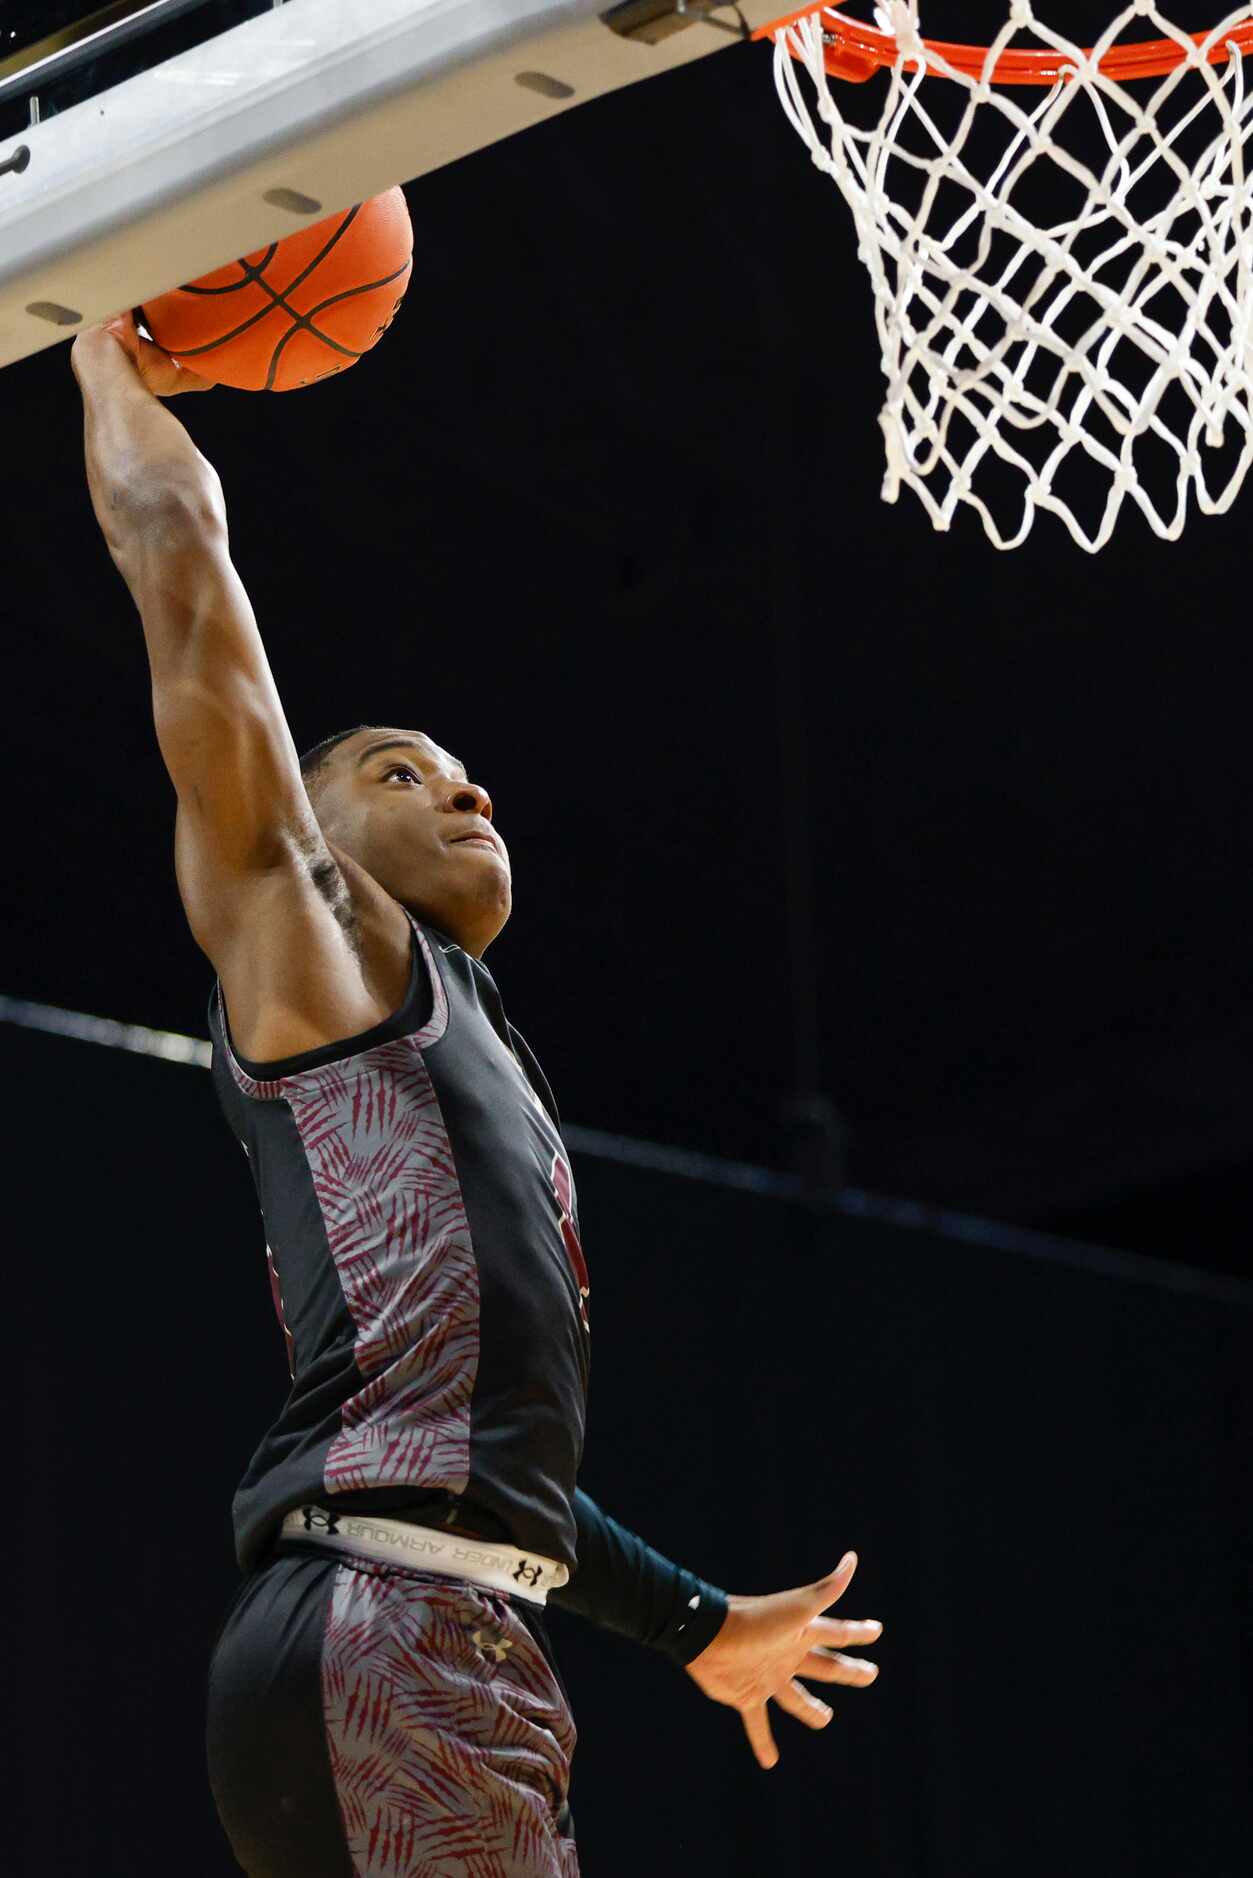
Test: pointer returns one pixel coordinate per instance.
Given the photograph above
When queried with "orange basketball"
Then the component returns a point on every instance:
(297, 311)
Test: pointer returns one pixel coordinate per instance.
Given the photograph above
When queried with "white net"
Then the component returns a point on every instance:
(1063, 277)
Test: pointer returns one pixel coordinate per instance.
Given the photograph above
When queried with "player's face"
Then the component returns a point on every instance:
(407, 812)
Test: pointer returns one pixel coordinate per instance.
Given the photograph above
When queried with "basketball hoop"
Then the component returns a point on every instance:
(1063, 282)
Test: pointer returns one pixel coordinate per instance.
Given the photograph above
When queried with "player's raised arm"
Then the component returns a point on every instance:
(243, 808)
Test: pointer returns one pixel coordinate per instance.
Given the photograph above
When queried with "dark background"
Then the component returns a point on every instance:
(808, 806)
(1041, 1456)
(601, 513)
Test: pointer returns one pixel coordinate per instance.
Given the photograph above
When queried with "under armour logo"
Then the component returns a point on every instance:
(318, 1521)
(528, 1574)
(496, 1647)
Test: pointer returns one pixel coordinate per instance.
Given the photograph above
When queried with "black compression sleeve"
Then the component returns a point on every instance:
(624, 1585)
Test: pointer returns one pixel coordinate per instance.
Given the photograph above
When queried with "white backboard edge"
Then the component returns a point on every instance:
(284, 120)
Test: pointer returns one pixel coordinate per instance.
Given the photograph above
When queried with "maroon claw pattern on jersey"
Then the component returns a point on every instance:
(395, 1220)
(449, 1736)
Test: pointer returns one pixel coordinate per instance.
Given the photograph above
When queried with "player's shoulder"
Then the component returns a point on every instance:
(317, 951)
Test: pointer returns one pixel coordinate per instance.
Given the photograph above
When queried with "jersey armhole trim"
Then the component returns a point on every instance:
(272, 1088)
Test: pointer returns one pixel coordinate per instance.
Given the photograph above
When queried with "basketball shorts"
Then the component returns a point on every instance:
(370, 1721)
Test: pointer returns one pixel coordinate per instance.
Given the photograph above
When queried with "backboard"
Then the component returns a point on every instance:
(169, 163)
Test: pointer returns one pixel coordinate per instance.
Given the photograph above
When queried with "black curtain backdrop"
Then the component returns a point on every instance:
(973, 832)
(1042, 1461)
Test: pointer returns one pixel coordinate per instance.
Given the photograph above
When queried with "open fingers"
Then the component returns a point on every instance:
(832, 1666)
(839, 1632)
(760, 1740)
(795, 1699)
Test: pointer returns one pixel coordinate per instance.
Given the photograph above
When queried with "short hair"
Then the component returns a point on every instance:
(313, 763)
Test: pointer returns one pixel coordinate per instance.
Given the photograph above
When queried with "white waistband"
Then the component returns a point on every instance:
(482, 1561)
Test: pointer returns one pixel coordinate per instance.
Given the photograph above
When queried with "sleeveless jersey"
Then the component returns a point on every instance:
(422, 1242)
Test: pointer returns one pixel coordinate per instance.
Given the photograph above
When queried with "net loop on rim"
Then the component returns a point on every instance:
(1063, 281)
(854, 51)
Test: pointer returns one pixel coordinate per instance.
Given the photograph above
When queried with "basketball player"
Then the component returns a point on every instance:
(383, 1698)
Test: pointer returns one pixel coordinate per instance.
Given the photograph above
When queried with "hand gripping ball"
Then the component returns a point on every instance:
(298, 311)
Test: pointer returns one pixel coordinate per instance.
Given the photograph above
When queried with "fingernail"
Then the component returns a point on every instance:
(848, 1557)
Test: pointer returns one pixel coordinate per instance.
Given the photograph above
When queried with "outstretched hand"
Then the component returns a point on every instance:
(156, 368)
(767, 1642)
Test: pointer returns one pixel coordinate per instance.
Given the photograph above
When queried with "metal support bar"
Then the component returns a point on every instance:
(648, 22)
(65, 51)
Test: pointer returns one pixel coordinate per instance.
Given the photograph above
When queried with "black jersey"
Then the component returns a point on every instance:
(423, 1247)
